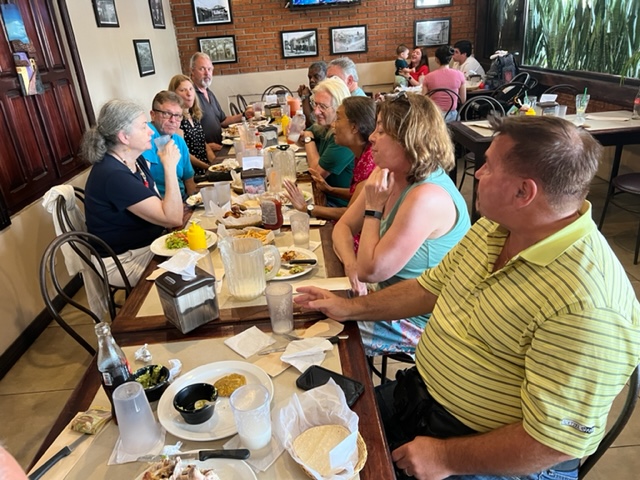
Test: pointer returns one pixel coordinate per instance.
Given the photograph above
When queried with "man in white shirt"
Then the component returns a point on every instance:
(464, 61)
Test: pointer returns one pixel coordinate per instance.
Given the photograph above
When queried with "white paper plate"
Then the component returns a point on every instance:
(221, 425)
(159, 244)
(225, 469)
(227, 141)
(284, 274)
(194, 200)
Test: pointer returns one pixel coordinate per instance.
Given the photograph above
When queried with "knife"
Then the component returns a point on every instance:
(64, 452)
(201, 455)
(333, 340)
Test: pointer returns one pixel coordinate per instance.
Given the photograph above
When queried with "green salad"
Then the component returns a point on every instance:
(177, 239)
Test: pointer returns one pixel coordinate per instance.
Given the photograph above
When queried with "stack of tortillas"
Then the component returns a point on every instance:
(312, 447)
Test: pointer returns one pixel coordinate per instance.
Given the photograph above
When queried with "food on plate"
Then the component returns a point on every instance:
(194, 200)
(259, 233)
(152, 377)
(174, 470)
(232, 131)
(229, 384)
(293, 270)
(91, 421)
(177, 239)
(289, 255)
(312, 446)
(235, 212)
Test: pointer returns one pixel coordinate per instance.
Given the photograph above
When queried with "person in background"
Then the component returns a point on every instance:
(445, 77)
(166, 116)
(122, 204)
(402, 66)
(213, 117)
(9, 468)
(419, 66)
(333, 162)
(345, 69)
(200, 152)
(464, 61)
(355, 121)
(316, 73)
(535, 326)
(410, 214)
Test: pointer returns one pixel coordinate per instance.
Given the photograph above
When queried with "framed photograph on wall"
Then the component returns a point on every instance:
(348, 39)
(210, 12)
(300, 43)
(431, 3)
(157, 14)
(106, 15)
(220, 49)
(429, 33)
(144, 57)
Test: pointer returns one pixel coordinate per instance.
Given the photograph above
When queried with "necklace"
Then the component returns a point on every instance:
(118, 157)
(134, 170)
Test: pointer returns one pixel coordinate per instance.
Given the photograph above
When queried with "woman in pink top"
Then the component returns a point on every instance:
(445, 77)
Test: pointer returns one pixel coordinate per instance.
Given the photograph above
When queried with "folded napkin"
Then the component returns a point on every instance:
(183, 263)
(304, 353)
(249, 342)
(608, 119)
(118, 455)
(333, 283)
(312, 245)
(262, 459)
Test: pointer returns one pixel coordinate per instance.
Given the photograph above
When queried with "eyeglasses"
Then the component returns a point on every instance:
(323, 108)
(167, 115)
(402, 97)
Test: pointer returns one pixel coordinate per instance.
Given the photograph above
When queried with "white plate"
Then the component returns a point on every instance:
(194, 200)
(227, 141)
(225, 469)
(159, 244)
(221, 425)
(284, 274)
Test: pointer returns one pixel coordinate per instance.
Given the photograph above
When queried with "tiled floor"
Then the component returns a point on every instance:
(36, 388)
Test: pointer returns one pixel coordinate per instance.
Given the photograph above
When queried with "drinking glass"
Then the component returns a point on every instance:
(582, 100)
(161, 142)
(251, 411)
(139, 430)
(300, 229)
(280, 303)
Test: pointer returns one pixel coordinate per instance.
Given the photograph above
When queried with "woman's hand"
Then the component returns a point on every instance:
(321, 183)
(169, 155)
(357, 287)
(378, 188)
(295, 195)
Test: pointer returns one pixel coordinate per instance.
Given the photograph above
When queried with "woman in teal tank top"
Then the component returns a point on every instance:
(410, 216)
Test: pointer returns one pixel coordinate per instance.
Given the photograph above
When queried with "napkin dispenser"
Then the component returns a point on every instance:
(188, 303)
(549, 108)
(270, 134)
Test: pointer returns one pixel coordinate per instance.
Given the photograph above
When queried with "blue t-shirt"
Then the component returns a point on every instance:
(184, 168)
(400, 64)
(358, 92)
(111, 188)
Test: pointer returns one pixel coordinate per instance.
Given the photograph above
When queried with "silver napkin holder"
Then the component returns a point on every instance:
(187, 304)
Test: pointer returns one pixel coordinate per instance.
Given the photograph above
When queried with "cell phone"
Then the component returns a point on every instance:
(315, 376)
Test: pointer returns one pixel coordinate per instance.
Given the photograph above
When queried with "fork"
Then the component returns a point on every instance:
(297, 337)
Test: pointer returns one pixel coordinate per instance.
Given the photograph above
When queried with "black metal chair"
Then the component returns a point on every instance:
(563, 88)
(508, 93)
(384, 365)
(280, 90)
(627, 409)
(234, 109)
(53, 292)
(454, 101)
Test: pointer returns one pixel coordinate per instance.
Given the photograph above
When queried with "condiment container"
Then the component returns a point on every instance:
(196, 237)
(271, 208)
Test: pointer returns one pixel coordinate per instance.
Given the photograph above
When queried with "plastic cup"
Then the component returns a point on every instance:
(161, 142)
(223, 193)
(251, 411)
(209, 198)
(300, 229)
(139, 431)
(582, 101)
(562, 111)
(280, 303)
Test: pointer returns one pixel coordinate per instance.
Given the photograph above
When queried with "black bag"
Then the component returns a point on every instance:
(501, 71)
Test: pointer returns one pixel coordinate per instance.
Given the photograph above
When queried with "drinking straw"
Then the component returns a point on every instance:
(585, 90)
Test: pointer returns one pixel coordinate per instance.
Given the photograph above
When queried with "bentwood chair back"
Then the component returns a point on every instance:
(627, 409)
(93, 270)
(280, 90)
(452, 99)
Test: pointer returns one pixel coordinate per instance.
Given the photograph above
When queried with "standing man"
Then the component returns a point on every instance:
(464, 61)
(166, 115)
(535, 327)
(345, 69)
(213, 117)
(316, 73)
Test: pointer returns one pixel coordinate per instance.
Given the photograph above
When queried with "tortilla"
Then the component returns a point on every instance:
(313, 446)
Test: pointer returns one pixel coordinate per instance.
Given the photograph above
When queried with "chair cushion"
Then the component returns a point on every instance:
(629, 183)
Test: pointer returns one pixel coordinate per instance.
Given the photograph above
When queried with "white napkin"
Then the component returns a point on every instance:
(249, 342)
(304, 353)
(183, 263)
(261, 459)
(312, 245)
(118, 455)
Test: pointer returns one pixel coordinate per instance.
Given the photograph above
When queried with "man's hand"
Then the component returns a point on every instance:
(324, 301)
(421, 458)
(303, 90)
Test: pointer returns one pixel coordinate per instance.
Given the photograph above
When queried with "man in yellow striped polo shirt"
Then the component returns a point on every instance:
(535, 327)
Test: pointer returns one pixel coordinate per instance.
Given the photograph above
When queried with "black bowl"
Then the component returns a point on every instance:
(185, 400)
(157, 383)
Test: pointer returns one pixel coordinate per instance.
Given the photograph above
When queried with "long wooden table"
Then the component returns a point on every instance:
(131, 330)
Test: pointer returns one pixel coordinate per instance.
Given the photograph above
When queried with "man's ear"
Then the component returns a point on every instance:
(527, 192)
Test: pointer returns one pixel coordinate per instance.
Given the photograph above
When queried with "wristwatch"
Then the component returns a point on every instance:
(309, 139)
(303, 97)
(310, 207)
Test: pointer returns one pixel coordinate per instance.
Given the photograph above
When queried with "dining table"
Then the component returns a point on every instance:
(610, 128)
(141, 321)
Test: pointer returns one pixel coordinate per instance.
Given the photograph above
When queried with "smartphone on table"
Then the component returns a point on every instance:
(314, 376)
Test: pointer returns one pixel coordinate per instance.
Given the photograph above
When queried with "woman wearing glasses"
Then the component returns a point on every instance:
(326, 158)
(410, 214)
(122, 204)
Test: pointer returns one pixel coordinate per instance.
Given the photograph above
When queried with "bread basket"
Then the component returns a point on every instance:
(362, 458)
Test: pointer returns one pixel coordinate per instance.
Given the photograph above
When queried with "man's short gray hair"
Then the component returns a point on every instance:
(347, 66)
(195, 57)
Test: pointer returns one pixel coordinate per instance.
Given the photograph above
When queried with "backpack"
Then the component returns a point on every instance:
(502, 70)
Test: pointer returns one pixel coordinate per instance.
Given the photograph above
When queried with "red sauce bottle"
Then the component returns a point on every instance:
(271, 207)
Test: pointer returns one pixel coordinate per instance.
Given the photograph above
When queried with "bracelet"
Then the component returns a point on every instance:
(373, 213)
(303, 97)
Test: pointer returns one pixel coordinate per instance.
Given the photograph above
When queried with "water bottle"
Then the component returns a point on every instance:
(112, 363)
(636, 107)
(296, 127)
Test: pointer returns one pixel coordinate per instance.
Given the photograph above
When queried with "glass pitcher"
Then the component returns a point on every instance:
(284, 161)
(248, 265)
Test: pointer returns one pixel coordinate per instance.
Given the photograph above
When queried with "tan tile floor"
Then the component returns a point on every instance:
(35, 390)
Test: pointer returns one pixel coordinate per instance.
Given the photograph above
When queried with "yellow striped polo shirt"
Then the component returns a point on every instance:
(549, 340)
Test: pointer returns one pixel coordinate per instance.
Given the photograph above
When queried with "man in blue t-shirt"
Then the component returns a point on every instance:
(166, 115)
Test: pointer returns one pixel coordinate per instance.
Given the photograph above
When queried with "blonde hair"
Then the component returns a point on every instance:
(174, 83)
(336, 88)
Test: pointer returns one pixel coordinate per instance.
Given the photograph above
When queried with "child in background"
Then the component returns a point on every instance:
(402, 66)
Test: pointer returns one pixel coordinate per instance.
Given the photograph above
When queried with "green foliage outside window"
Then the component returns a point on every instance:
(591, 35)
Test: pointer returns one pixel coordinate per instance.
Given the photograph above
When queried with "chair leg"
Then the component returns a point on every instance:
(76, 336)
(383, 370)
(610, 193)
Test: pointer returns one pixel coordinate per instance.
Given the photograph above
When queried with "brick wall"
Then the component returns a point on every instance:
(257, 26)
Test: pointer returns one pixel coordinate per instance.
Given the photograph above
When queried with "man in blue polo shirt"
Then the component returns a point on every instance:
(166, 115)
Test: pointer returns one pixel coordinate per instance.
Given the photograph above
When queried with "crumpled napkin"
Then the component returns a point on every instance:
(183, 263)
(304, 353)
(118, 455)
(249, 342)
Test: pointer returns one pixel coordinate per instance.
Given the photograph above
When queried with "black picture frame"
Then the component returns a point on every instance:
(432, 3)
(432, 32)
(157, 14)
(351, 39)
(206, 15)
(106, 13)
(299, 43)
(221, 49)
(144, 57)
